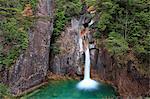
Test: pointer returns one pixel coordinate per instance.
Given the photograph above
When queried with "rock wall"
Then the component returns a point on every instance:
(125, 78)
(105, 67)
(68, 60)
(32, 65)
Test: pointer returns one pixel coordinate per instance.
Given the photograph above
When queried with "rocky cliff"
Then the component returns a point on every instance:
(68, 59)
(127, 80)
(105, 67)
(31, 67)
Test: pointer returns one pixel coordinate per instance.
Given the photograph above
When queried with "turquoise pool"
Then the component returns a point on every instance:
(67, 90)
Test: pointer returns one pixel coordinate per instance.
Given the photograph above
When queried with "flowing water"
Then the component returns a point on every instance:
(67, 90)
(87, 83)
(87, 64)
(80, 44)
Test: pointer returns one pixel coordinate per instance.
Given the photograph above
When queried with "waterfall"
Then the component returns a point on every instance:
(87, 64)
(92, 21)
(80, 44)
(87, 83)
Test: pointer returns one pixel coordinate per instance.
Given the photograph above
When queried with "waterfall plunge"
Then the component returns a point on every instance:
(87, 83)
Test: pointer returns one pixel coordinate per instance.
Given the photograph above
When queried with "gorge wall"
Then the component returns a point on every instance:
(105, 67)
(31, 67)
(68, 60)
(128, 81)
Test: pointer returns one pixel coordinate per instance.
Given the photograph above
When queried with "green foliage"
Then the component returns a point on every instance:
(97, 34)
(116, 44)
(104, 21)
(65, 9)
(72, 8)
(16, 38)
(14, 29)
(11, 8)
(129, 19)
(4, 91)
(32, 2)
(55, 48)
(90, 2)
(60, 21)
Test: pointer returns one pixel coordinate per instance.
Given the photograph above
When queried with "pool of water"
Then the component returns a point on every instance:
(67, 90)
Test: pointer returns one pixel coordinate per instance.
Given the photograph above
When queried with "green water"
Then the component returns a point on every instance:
(67, 90)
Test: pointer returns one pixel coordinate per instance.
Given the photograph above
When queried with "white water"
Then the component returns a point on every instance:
(80, 44)
(87, 64)
(92, 21)
(87, 83)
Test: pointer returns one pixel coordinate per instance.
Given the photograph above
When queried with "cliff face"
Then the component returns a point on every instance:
(128, 81)
(125, 77)
(68, 60)
(31, 67)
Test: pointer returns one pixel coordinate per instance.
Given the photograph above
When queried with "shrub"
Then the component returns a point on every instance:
(4, 91)
(116, 44)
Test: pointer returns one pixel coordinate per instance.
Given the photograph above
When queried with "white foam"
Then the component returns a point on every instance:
(87, 84)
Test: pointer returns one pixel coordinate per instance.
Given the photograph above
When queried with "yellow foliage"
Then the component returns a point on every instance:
(91, 8)
(27, 10)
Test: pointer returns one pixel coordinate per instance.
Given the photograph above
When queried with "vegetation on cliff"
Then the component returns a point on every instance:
(122, 28)
(14, 28)
(125, 26)
(64, 11)
(4, 91)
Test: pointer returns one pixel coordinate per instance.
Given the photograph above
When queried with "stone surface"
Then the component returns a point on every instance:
(94, 57)
(127, 79)
(68, 60)
(32, 65)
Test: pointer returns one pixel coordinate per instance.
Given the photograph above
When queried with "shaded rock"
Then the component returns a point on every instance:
(94, 57)
(127, 79)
